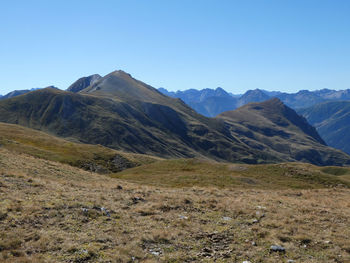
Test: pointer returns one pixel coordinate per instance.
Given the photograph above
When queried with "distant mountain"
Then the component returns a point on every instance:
(213, 104)
(256, 95)
(16, 93)
(83, 83)
(272, 93)
(332, 121)
(123, 113)
(278, 130)
(303, 98)
(208, 102)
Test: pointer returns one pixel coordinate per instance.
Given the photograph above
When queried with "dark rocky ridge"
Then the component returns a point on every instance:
(83, 83)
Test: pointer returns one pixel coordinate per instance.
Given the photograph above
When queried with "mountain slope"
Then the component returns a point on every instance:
(83, 83)
(280, 131)
(96, 158)
(123, 113)
(208, 102)
(143, 128)
(52, 212)
(17, 93)
(332, 121)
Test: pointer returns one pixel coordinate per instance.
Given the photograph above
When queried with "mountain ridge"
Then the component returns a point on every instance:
(214, 106)
(332, 121)
(109, 113)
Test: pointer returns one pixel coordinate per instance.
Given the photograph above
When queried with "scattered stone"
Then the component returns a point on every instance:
(187, 201)
(105, 211)
(226, 218)
(136, 199)
(261, 207)
(290, 261)
(246, 261)
(254, 243)
(155, 251)
(276, 248)
(259, 214)
(183, 217)
(206, 252)
(328, 242)
(85, 210)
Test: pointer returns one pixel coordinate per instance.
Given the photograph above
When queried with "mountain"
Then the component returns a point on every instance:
(83, 83)
(278, 130)
(17, 93)
(256, 95)
(213, 106)
(272, 93)
(126, 114)
(208, 102)
(132, 126)
(216, 104)
(332, 121)
(301, 99)
(95, 158)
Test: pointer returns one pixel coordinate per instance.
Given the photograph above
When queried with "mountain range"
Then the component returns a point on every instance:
(325, 109)
(332, 121)
(211, 102)
(120, 112)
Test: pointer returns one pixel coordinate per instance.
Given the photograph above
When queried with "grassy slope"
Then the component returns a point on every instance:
(193, 172)
(42, 145)
(42, 219)
(166, 127)
(280, 131)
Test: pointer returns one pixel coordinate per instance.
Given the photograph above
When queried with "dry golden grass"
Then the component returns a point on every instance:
(51, 212)
(204, 173)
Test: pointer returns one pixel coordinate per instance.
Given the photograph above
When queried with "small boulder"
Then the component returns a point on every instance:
(276, 248)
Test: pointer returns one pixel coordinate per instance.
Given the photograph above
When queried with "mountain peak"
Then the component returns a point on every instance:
(276, 112)
(255, 95)
(121, 86)
(120, 73)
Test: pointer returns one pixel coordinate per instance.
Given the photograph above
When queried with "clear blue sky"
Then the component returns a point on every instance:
(284, 45)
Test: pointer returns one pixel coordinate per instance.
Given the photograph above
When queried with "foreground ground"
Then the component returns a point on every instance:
(52, 212)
